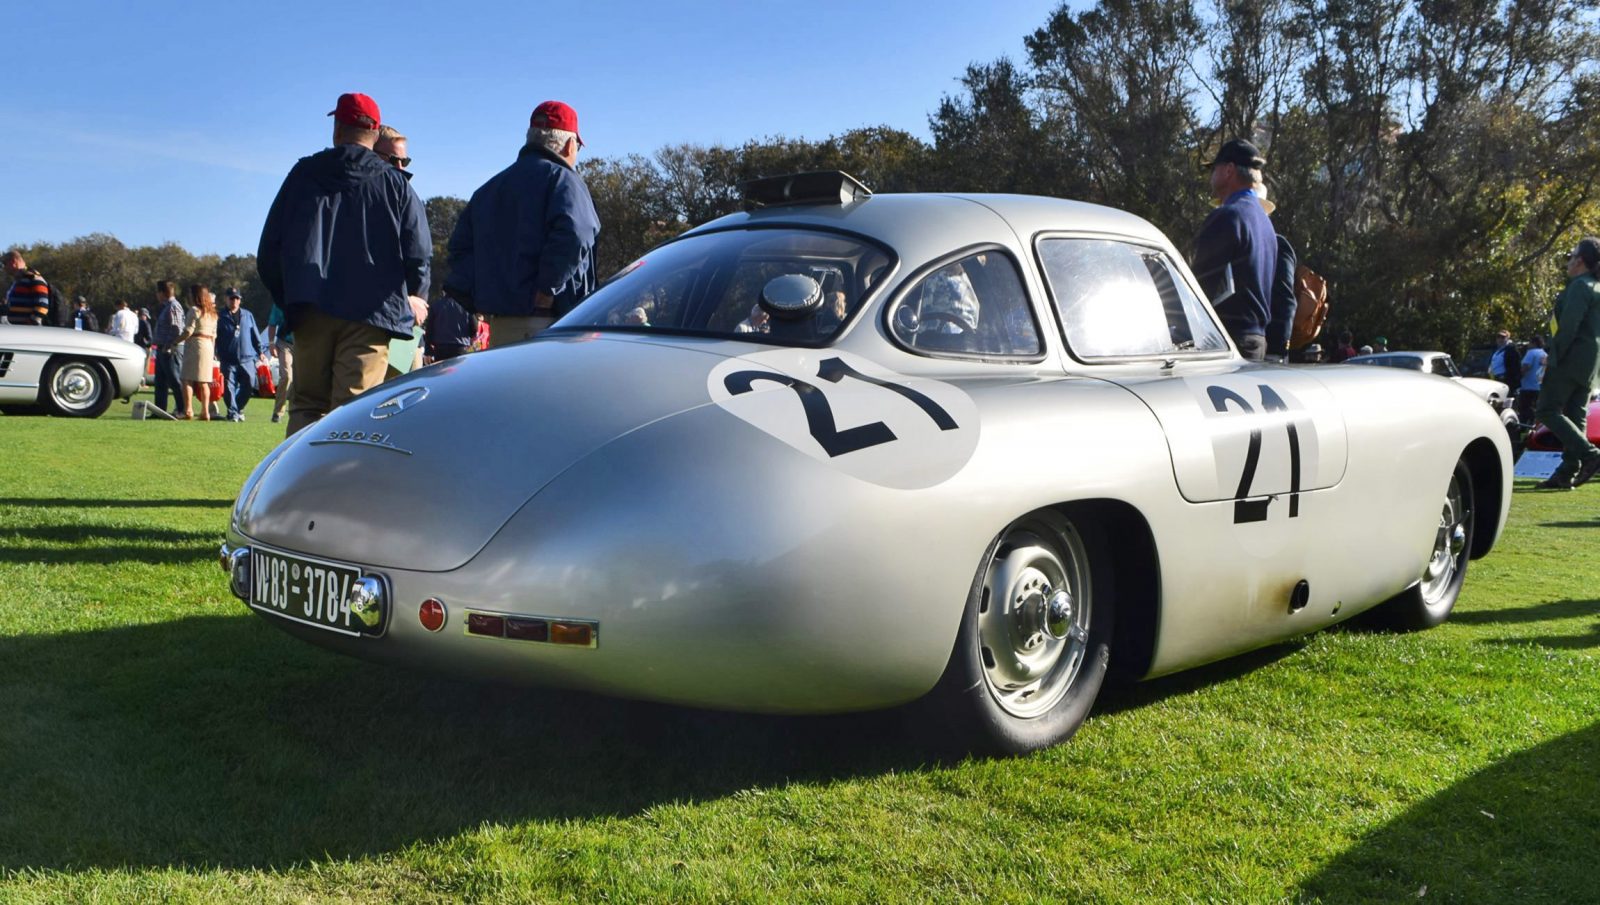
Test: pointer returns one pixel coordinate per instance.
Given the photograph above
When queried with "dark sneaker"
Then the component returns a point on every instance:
(1554, 482)
(1586, 471)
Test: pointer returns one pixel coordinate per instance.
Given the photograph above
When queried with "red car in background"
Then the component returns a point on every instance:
(1541, 440)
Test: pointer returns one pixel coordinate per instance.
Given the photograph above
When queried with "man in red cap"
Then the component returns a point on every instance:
(523, 250)
(345, 253)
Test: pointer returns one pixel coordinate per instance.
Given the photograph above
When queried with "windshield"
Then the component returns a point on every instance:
(711, 284)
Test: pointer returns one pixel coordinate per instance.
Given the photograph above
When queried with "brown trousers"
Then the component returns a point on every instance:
(334, 361)
(505, 329)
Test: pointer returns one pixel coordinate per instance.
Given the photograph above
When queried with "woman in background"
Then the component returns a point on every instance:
(199, 340)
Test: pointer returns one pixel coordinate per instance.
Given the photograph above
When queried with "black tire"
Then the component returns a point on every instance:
(15, 409)
(988, 701)
(76, 388)
(1429, 602)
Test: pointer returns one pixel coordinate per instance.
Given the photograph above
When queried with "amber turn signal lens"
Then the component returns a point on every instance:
(571, 633)
(431, 614)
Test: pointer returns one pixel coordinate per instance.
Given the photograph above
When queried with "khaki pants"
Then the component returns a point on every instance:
(505, 329)
(334, 361)
(285, 377)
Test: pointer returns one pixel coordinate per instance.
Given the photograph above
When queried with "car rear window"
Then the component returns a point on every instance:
(711, 285)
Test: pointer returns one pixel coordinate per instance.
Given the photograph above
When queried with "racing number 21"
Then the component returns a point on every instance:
(1248, 510)
(819, 414)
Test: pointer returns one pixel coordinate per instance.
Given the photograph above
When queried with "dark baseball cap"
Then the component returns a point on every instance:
(1240, 152)
(1589, 250)
(232, 293)
(357, 110)
(556, 115)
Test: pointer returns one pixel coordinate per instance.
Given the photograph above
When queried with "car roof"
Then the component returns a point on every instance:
(1380, 356)
(925, 225)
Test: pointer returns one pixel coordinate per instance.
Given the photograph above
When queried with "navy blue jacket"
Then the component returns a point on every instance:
(1237, 237)
(347, 235)
(241, 342)
(449, 326)
(1280, 329)
(529, 229)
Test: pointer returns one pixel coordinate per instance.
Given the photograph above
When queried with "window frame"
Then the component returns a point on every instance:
(914, 281)
(1180, 275)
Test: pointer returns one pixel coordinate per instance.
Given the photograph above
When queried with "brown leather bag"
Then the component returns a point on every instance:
(1311, 306)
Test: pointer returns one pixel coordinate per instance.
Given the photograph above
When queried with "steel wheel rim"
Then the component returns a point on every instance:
(1027, 667)
(1448, 543)
(75, 386)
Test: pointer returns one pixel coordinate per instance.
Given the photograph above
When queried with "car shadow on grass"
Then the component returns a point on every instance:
(221, 742)
(1544, 612)
(218, 741)
(86, 503)
(1592, 523)
(1517, 831)
(105, 544)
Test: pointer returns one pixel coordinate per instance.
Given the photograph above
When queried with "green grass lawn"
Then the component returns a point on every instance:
(159, 743)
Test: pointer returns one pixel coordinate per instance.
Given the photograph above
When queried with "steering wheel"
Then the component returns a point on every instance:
(933, 321)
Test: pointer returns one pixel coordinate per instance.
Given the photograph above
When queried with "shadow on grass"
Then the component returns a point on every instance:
(219, 741)
(106, 544)
(1592, 523)
(81, 503)
(1519, 831)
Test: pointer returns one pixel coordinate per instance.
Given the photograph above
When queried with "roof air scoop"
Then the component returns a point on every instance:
(819, 187)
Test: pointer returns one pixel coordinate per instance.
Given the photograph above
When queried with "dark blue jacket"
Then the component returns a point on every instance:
(1280, 328)
(529, 229)
(1238, 238)
(241, 342)
(449, 326)
(348, 235)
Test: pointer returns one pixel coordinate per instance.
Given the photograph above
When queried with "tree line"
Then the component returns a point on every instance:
(1429, 157)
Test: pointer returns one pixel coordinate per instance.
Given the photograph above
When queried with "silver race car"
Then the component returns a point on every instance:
(65, 372)
(841, 452)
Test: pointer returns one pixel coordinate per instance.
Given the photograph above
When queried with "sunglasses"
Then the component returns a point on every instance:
(401, 162)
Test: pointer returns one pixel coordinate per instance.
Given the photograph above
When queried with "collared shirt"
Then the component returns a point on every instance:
(1533, 362)
(169, 323)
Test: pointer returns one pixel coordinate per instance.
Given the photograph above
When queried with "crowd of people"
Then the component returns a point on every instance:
(345, 254)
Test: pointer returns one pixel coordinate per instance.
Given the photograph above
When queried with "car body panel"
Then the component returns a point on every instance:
(26, 350)
(736, 549)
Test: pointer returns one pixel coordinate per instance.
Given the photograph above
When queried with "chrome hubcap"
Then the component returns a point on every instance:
(1449, 543)
(75, 387)
(1033, 621)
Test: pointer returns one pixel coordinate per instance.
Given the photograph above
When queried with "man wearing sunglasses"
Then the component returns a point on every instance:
(391, 146)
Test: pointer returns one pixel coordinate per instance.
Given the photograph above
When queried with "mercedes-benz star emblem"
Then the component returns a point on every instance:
(394, 405)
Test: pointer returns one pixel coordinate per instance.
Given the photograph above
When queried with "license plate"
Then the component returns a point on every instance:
(308, 591)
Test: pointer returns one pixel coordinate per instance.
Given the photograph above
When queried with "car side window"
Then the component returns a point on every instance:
(975, 306)
(1117, 299)
(1441, 366)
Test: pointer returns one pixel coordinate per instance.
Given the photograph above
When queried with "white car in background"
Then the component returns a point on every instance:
(1440, 363)
(69, 373)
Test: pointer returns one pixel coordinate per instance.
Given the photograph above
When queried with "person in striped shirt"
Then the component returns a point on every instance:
(28, 300)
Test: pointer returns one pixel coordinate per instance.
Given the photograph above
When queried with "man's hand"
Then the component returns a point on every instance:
(419, 308)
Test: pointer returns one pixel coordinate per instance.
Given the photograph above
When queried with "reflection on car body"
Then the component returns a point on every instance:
(988, 449)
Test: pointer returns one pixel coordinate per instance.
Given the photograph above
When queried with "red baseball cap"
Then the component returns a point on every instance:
(555, 115)
(357, 110)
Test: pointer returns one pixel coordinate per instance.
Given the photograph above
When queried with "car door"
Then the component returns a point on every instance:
(1249, 443)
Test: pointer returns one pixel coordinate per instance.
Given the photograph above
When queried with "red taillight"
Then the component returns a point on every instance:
(486, 624)
(431, 614)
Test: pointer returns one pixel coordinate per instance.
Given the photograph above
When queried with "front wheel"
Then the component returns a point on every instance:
(1430, 600)
(1035, 639)
(76, 388)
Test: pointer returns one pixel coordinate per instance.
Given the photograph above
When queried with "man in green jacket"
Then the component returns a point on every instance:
(1573, 367)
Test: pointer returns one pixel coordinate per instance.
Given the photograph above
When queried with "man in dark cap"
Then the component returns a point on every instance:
(344, 253)
(1236, 250)
(1573, 368)
(240, 348)
(523, 251)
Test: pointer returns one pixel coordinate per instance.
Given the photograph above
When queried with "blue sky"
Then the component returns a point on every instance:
(177, 121)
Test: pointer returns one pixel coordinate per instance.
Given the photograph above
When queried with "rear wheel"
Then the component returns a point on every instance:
(1430, 600)
(76, 388)
(1035, 639)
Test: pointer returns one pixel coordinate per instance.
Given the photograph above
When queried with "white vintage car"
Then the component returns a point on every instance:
(844, 451)
(65, 372)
